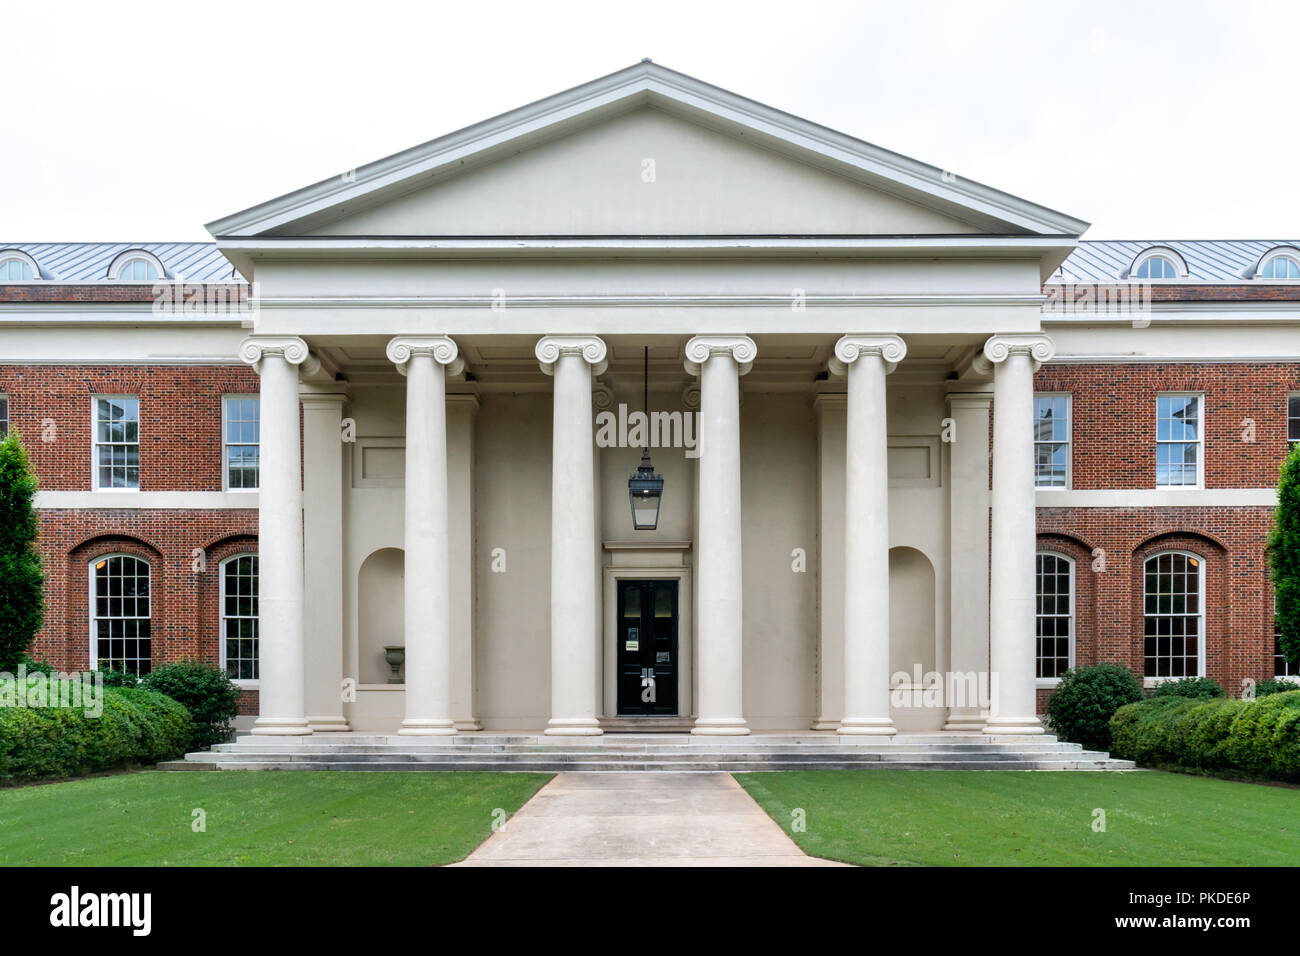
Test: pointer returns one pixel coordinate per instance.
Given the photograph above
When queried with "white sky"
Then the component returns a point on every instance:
(1152, 120)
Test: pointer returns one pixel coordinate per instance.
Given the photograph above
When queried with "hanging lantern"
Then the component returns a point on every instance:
(645, 489)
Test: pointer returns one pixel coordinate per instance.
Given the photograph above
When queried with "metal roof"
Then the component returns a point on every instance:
(89, 261)
(1228, 261)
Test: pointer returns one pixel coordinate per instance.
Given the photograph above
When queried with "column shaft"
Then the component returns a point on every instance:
(1011, 615)
(427, 594)
(282, 703)
(866, 552)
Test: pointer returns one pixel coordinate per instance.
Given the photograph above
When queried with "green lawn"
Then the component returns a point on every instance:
(992, 818)
(303, 818)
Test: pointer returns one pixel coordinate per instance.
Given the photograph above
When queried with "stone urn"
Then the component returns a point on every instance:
(395, 654)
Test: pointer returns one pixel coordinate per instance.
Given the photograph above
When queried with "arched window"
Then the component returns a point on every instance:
(1156, 267)
(120, 614)
(136, 265)
(18, 266)
(239, 617)
(1279, 265)
(1173, 598)
(1055, 614)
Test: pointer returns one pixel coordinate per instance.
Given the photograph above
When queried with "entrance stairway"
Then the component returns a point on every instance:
(652, 752)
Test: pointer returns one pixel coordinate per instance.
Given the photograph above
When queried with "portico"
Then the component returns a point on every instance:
(821, 362)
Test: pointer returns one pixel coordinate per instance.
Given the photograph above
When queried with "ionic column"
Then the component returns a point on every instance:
(322, 482)
(575, 656)
(720, 360)
(1014, 359)
(281, 680)
(866, 359)
(424, 360)
(831, 429)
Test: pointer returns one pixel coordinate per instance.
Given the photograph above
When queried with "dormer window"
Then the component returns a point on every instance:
(1280, 265)
(1158, 263)
(17, 266)
(136, 266)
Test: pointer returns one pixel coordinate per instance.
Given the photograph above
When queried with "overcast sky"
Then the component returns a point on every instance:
(1151, 120)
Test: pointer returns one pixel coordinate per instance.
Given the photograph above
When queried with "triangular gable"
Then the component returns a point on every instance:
(417, 170)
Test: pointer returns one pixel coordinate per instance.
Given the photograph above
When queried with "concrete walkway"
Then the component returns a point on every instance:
(641, 819)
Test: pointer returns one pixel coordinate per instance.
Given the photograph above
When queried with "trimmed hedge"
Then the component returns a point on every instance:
(1250, 738)
(136, 727)
(1083, 703)
(1274, 685)
(1201, 688)
(210, 696)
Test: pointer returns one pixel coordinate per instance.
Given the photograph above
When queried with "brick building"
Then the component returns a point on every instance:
(406, 398)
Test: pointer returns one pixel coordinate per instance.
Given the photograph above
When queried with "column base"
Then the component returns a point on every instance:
(573, 727)
(868, 726)
(426, 727)
(825, 723)
(1020, 726)
(281, 726)
(336, 724)
(468, 723)
(720, 727)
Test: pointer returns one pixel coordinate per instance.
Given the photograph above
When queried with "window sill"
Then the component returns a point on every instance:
(1047, 681)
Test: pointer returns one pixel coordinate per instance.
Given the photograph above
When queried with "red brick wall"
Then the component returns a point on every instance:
(1108, 603)
(180, 420)
(1113, 419)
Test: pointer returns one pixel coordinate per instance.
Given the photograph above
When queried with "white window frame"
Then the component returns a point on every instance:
(1162, 252)
(90, 603)
(226, 443)
(4, 401)
(17, 255)
(1069, 442)
(1200, 442)
(1074, 631)
(123, 259)
(1285, 252)
(95, 442)
(245, 683)
(1290, 397)
(1202, 615)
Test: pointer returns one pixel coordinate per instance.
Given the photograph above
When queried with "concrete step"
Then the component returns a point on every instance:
(738, 765)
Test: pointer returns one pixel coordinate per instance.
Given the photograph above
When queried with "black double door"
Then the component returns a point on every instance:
(647, 648)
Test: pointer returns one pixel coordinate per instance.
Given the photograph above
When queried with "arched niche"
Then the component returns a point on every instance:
(381, 587)
(911, 612)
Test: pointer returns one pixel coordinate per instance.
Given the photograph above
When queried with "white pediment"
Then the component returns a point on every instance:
(646, 173)
(574, 164)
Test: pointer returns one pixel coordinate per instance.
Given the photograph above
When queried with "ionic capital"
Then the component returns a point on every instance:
(440, 347)
(999, 348)
(292, 349)
(850, 348)
(588, 347)
(701, 348)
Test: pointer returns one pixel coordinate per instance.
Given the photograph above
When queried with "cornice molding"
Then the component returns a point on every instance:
(441, 348)
(701, 348)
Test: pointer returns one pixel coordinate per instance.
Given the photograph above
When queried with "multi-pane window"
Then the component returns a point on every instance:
(242, 434)
(1052, 441)
(239, 617)
(1281, 666)
(1055, 613)
(16, 270)
(119, 610)
(4, 416)
(1173, 615)
(1292, 420)
(1280, 267)
(1157, 267)
(138, 270)
(1178, 441)
(117, 442)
